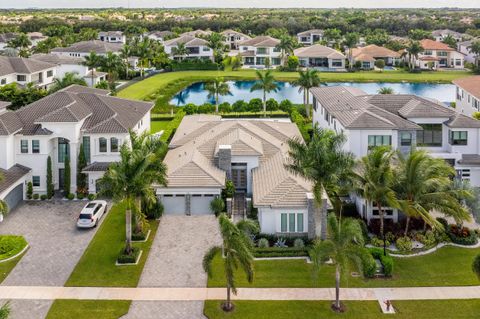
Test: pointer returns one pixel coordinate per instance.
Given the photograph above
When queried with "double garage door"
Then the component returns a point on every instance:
(176, 204)
(15, 197)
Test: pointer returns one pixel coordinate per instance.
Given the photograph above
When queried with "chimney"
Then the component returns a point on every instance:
(225, 159)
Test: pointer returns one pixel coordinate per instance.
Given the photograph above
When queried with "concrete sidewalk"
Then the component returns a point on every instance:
(201, 294)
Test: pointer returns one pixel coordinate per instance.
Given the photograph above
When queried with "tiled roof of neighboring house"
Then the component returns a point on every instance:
(97, 167)
(463, 121)
(9, 123)
(437, 33)
(110, 33)
(374, 51)
(308, 32)
(10, 65)
(196, 33)
(97, 46)
(96, 74)
(161, 34)
(12, 175)
(470, 84)
(5, 37)
(36, 35)
(230, 31)
(261, 41)
(187, 40)
(428, 44)
(470, 159)
(57, 58)
(318, 51)
(75, 88)
(364, 58)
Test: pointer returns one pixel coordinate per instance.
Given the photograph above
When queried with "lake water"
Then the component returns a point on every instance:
(240, 90)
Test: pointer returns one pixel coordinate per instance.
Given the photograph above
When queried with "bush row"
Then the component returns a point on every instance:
(387, 261)
(198, 64)
(254, 105)
(280, 252)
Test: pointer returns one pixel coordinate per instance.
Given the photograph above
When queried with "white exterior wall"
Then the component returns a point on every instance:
(204, 52)
(108, 156)
(7, 79)
(252, 162)
(46, 82)
(7, 157)
(270, 53)
(466, 103)
(270, 218)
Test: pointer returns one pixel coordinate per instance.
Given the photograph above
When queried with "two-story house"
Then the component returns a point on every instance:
(465, 47)
(25, 70)
(112, 37)
(369, 54)
(440, 35)
(160, 36)
(233, 38)
(196, 48)
(56, 126)
(467, 95)
(256, 51)
(310, 37)
(437, 55)
(402, 122)
(83, 48)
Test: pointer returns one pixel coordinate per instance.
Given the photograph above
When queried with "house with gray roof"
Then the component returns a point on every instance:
(83, 48)
(112, 37)
(233, 38)
(320, 57)
(197, 48)
(440, 35)
(26, 70)
(160, 36)
(256, 51)
(402, 122)
(207, 151)
(56, 125)
(310, 37)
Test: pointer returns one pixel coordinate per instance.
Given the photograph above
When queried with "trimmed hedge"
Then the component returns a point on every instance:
(369, 265)
(280, 252)
(195, 65)
(387, 261)
(462, 236)
(128, 259)
(139, 236)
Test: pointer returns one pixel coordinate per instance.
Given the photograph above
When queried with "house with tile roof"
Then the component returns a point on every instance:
(437, 55)
(112, 37)
(310, 37)
(207, 150)
(367, 55)
(255, 51)
(233, 38)
(467, 95)
(465, 47)
(56, 126)
(440, 35)
(160, 36)
(320, 57)
(83, 48)
(26, 70)
(402, 122)
(197, 48)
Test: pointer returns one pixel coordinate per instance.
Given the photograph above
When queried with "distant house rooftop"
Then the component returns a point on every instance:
(97, 46)
(470, 84)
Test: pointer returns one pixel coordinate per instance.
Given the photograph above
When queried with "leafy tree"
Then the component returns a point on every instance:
(88, 34)
(386, 90)
(110, 64)
(377, 37)
(68, 79)
(344, 246)
(413, 49)
(215, 41)
(272, 105)
(287, 45)
(50, 187)
(292, 63)
(308, 79)
(475, 49)
(125, 54)
(266, 83)
(450, 41)
(145, 54)
(216, 88)
(92, 61)
(350, 41)
(67, 176)
(332, 35)
(180, 50)
(47, 45)
(380, 63)
(81, 177)
(20, 42)
(419, 34)
(20, 96)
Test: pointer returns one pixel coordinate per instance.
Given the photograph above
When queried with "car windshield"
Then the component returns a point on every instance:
(90, 205)
(85, 216)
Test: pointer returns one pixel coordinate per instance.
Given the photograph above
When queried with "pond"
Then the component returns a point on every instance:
(240, 90)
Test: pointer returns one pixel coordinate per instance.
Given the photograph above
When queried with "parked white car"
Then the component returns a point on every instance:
(91, 214)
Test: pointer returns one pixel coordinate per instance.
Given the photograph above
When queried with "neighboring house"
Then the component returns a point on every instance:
(367, 55)
(112, 37)
(160, 36)
(256, 50)
(25, 70)
(68, 64)
(440, 35)
(468, 95)
(197, 33)
(197, 48)
(402, 122)
(207, 150)
(464, 47)
(36, 37)
(438, 55)
(83, 48)
(56, 126)
(233, 38)
(4, 38)
(310, 37)
(320, 57)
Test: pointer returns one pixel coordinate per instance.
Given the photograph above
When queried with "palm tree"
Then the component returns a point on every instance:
(110, 64)
(386, 90)
(145, 54)
(20, 42)
(374, 182)
(286, 45)
(130, 179)
(351, 40)
(424, 184)
(92, 61)
(344, 247)
(68, 79)
(413, 49)
(216, 88)
(308, 79)
(323, 162)
(125, 53)
(266, 83)
(216, 43)
(237, 252)
(180, 50)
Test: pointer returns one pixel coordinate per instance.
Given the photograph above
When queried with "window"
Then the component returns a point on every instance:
(458, 137)
(283, 226)
(114, 145)
(275, 49)
(3, 81)
(63, 150)
(36, 181)
(427, 52)
(23, 146)
(442, 53)
(430, 136)
(300, 223)
(102, 145)
(49, 73)
(291, 223)
(35, 146)
(261, 50)
(206, 49)
(86, 148)
(21, 78)
(337, 63)
(379, 140)
(405, 139)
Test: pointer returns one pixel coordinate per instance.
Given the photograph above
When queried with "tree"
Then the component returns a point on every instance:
(81, 177)
(216, 88)
(50, 187)
(237, 253)
(286, 46)
(47, 45)
(351, 40)
(380, 63)
(323, 162)
(110, 64)
(145, 54)
(67, 177)
(217, 205)
(386, 90)
(424, 184)
(3, 204)
(68, 79)
(475, 49)
(130, 179)
(374, 182)
(215, 41)
(476, 266)
(125, 53)
(450, 41)
(344, 246)
(20, 42)
(266, 83)
(88, 34)
(332, 36)
(308, 79)
(419, 34)
(413, 49)
(476, 115)
(92, 61)
(180, 50)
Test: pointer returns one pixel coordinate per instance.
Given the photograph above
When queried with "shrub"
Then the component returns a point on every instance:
(286, 105)
(404, 243)
(280, 252)
(369, 266)
(255, 105)
(29, 190)
(70, 196)
(380, 63)
(190, 109)
(123, 258)
(7, 244)
(363, 225)
(263, 243)
(428, 239)
(462, 235)
(36, 196)
(153, 211)
(43, 197)
(378, 242)
(229, 190)
(91, 196)
(289, 241)
(443, 222)
(390, 237)
(217, 205)
(139, 236)
(80, 196)
(11, 245)
(272, 105)
(387, 261)
(240, 106)
(292, 63)
(206, 108)
(298, 243)
(224, 107)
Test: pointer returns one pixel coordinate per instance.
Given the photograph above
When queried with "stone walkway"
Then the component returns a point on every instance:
(175, 260)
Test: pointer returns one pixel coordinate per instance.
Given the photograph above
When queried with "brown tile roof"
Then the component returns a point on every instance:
(12, 175)
(318, 51)
(261, 41)
(187, 40)
(97, 167)
(428, 44)
(470, 84)
(374, 51)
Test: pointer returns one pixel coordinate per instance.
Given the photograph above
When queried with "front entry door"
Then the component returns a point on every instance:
(239, 177)
(61, 178)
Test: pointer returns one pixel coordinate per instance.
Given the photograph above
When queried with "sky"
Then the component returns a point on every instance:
(240, 3)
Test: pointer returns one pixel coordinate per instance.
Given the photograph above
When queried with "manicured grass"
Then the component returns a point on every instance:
(13, 244)
(450, 266)
(88, 309)
(419, 309)
(97, 266)
(7, 267)
(157, 126)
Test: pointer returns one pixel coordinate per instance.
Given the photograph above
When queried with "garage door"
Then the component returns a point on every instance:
(15, 197)
(201, 204)
(174, 204)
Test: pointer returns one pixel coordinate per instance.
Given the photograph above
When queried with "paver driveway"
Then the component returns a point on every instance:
(175, 260)
(56, 245)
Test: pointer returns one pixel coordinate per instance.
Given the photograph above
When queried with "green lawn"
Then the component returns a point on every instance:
(7, 267)
(450, 266)
(423, 309)
(157, 126)
(88, 309)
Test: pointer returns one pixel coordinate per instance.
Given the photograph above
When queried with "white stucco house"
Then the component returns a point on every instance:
(467, 95)
(56, 126)
(310, 37)
(437, 55)
(112, 37)
(255, 51)
(233, 38)
(206, 151)
(465, 48)
(160, 36)
(197, 48)
(440, 35)
(26, 70)
(320, 57)
(83, 48)
(402, 122)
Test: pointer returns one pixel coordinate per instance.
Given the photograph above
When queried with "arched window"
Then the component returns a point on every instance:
(102, 144)
(114, 145)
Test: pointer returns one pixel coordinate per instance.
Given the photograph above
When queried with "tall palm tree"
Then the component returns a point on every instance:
(68, 79)
(350, 41)
(323, 162)
(344, 247)
(237, 252)
(216, 88)
(130, 179)
(424, 184)
(286, 45)
(180, 50)
(110, 64)
(413, 50)
(386, 90)
(308, 79)
(374, 181)
(125, 53)
(266, 83)
(20, 42)
(145, 54)
(92, 61)
(216, 42)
